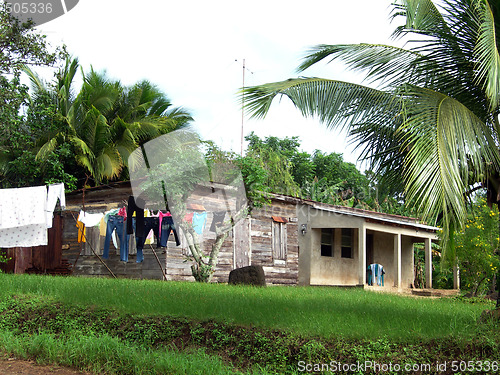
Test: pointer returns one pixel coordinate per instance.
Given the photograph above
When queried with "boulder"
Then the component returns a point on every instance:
(249, 275)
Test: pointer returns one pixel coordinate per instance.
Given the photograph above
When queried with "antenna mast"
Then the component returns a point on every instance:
(243, 107)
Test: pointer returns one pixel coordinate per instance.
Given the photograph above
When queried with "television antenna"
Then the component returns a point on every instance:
(243, 102)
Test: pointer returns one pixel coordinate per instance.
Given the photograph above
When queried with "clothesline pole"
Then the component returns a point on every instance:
(92, 248)
(159, 263)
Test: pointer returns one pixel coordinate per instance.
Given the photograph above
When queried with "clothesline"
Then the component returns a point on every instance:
(144, 224)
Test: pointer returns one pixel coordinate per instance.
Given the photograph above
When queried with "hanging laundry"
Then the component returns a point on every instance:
(218, 219)
(104, 221)
(116, 223)
(376, 274)
(23, 217)
(199, 219)
(150, 223)
(161, 215)
(82, 235)
(90, 220)
(55, 192)
(188, 218)
(137, 207)
(123, 212)
(167, 226)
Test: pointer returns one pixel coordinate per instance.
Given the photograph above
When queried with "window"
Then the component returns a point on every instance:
(279, 241)
(346, 246)
(327, 242)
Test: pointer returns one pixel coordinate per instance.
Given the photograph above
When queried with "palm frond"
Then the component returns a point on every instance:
(422, 16)
(37, 85)
(391, 65)
(486, 53)
(333, 102)
(108, 164)
(448, 147)
(47, 148)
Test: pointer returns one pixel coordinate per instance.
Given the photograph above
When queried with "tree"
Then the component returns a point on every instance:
(167, 171)
(432, 118)
(476, 246)
(105, 122)
(20, 45)
(274, 156)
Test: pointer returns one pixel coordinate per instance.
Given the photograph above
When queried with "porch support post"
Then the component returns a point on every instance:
(428, 263)
(362, 255)
(456, 276)
(397, 260)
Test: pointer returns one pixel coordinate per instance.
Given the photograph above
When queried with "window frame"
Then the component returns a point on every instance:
(331, 243)
(279, 240)
(344, 247)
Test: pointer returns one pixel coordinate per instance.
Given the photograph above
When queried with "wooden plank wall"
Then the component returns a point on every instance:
(39, 259)
(255, 231)
(276, 271)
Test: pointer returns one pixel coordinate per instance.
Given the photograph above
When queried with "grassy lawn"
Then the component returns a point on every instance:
(310, 311)
(144, 327)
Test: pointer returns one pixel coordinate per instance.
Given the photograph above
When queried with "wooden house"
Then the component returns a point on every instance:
(296, 241)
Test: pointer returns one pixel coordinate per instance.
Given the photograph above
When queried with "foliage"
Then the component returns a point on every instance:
(277, 165)
(304, 310)
(104, 122)
(274, 156)
(21, 46)
(91, 336)
(432, 118)
(254, 174)
(477, 247)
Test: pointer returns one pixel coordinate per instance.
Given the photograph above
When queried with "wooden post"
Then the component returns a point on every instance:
(362, 255)
(159, 263)
(397, 260)
(428, 263)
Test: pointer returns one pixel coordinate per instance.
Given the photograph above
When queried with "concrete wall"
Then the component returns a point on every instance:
(407, 262)
(383, 253)
(335, 270)
(315, 269)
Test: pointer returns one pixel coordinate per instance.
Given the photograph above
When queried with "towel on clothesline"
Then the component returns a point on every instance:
(23, 217)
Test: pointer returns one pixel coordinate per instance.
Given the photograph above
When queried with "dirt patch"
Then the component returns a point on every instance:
(13, 366)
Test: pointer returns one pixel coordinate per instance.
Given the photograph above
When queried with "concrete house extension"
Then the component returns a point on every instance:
(338, 243)
(296, 241)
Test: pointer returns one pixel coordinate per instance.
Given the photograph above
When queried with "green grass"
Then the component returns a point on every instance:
(108, 355)
(309, 311)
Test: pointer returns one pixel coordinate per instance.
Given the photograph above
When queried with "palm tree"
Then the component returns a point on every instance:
(431, 111)
(105, 122)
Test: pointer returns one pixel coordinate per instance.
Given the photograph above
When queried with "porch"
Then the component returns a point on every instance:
(341, 243)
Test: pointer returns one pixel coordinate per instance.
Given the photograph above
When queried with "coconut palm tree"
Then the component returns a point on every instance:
(105, 122)
(430, 112)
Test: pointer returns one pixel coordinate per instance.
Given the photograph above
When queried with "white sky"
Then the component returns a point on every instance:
(193, 50)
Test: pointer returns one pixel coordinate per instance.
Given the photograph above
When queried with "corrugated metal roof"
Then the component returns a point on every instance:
(357, 212)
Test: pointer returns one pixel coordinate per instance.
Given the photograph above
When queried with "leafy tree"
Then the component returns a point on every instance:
(273, 155)
(322, 177)
(20, 46)
(432, 119)
(105, 122)
(176, 167)
(332, 167)
(476, 248)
